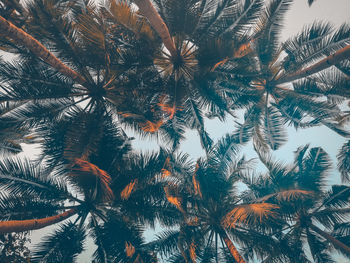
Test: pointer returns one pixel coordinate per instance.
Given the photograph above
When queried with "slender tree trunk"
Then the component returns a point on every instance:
(32, 224)
(23, 38)
(333, 59)
(336, 243)
(231, 247)
(148, 10)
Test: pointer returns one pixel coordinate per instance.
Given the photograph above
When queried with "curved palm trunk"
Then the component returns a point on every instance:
(32, 224)
(331, 60)
(148, 10)
(23, 38)
(231, 247)
(336, 243)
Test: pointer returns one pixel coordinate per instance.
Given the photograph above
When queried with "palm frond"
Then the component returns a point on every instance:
(344, 162)
(318, 248)
(337, 196)
(289, 195)
(22, 177)
(226, 150)
(22, 208)
(165, 243)
(305, 47)
(250, 214)
(268, 29)
(93, 181)
(247, 14)
(314, 170)
(64, 245)
(273, 128)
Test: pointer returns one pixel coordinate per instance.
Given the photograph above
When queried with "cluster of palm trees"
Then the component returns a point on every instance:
(76, 75)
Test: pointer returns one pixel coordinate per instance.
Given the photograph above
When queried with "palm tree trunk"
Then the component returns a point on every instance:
(148, 10)
(331, 60)
(32, 224)
(231, 247)
(336, 243)
(23, 38)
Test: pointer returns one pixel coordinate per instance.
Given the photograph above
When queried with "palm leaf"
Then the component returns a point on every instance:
(344, 162)
(273, 131)
(28, 207)
(250, 214)
(226, 150)
(93, 181)
(268, 29)
(63, 245)
(165, 243)
(314, 170)
(289, 195)
(21, 178)
(318, 248)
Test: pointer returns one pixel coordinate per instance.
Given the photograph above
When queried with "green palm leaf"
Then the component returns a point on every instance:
(64, 245)
(344, 162)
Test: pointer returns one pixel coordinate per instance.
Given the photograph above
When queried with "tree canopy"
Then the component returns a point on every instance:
(78, 77)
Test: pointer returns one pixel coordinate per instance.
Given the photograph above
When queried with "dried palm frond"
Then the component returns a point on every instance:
(249, 214)
(94, 181)
(125, 194)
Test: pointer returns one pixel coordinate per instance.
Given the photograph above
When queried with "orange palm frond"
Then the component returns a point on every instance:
(129, 249)
(149, 126)
(125, 194)
(166, 168)
(124, 15)
(197, 188)
(129, 115)
(196, 185)
(249, 214)
(193, 221)
(165, 173)
(219, 64)
(170, 110)
(91, 178)
(193, 252)
(173, 199)
(243, 50)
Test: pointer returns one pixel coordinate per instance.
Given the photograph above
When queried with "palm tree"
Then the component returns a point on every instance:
(282, 86)
(253, 70)
(193, 34)
(81, 56)
(220, 65)
(48, 194)
(213, 213)
(38, 196)
(92, 175)
(310, 211)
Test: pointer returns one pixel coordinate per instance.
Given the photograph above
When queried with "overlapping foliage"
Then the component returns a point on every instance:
(78, 75)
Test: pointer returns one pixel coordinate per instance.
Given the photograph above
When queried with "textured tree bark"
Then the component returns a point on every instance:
(331, 60)
(231, 247)
(336, 243)
(32, 224)
(148, 10)
(23, 38)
